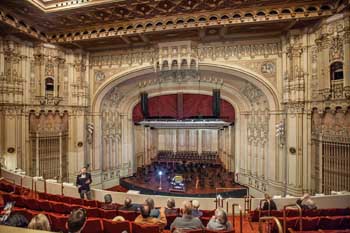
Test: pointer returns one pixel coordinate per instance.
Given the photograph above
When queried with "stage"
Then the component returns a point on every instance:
(131, 183)
(198, 182)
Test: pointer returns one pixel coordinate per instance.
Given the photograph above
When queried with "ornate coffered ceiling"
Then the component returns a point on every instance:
(122, 23)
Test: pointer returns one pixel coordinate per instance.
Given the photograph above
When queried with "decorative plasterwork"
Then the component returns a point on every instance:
(205, 51)
(172, 24)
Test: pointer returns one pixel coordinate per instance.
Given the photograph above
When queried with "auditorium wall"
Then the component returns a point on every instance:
(272, 80)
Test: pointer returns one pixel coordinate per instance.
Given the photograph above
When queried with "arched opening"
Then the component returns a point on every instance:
(49, 86)
(337, 79)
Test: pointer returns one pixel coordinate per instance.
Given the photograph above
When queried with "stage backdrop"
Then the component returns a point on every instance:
(188, 139)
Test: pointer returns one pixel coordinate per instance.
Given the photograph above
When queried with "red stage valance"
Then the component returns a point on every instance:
(182, 106)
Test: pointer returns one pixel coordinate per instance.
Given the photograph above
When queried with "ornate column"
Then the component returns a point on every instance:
(346, 64)
(199, 141)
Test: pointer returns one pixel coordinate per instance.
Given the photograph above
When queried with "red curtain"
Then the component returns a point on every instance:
(197, 105)
(192, 105)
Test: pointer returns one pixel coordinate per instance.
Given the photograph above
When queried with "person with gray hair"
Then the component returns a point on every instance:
(187, 221)
(195, 211)
(219, 221)
(154, 212)
(306, 203)
(170, 207)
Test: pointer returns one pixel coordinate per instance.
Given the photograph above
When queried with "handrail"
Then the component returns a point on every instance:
(240, 216)
(247, 203)
(285, 217)
(267, 218)
(269, 209)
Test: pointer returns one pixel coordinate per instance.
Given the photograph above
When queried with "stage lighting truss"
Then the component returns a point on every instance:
(186, 124)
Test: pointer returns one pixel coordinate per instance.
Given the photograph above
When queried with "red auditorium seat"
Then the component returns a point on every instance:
(137, 228)
(42, 196)
(93, 225)
(346, 222)
(170, 218)
(6, 197)
(115, 227)
(194, 231)
(108, 214)
(329, 223)
(211, 231)
(19, 201)
(31, 204)
(45, 205)
(66, 199)
(76, 201)
(58, 222)
(53, 197)
(292, 213)
(310, 223)
(205, 220)
(208, 213)
(72, 207)
(92, 212)
(127, 215)
(91, 203)
(312, 213)
(59, 207)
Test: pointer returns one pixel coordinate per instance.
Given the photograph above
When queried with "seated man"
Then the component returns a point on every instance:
(195, 211)
(219, 222)
(108, 205)
(269, 204)
(128, 206)
(187, 221)
(145, 217)
(154, 212)
(76, 221)
(306, 203)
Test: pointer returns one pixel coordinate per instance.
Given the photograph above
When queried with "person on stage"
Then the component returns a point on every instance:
(83, 183)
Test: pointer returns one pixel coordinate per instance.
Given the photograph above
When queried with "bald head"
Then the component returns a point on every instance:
(187, 208)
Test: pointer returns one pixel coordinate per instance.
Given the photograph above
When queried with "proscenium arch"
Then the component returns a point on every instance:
(132, 99)
(257, 80)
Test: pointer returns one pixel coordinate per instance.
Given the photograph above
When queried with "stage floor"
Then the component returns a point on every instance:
(152, 187)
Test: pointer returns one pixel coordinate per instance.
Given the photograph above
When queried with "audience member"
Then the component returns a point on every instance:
(118, 219)
(306, 203)
(170, 207)
(76, 221)
(108, 205)
(146, 218)
(154, 212)
(269, 204)
(83, 183)
(128, 205)
(187, 221)
(40, 222)
(17, 220)
(219, 221)
(196, 212)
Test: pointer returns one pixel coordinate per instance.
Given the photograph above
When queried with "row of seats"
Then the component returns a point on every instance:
(254, 215)
(63, 209)
(100, 225)
(71, 200)
(329, 223)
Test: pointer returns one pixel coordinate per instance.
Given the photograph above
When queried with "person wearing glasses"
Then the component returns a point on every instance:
(83, 183)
